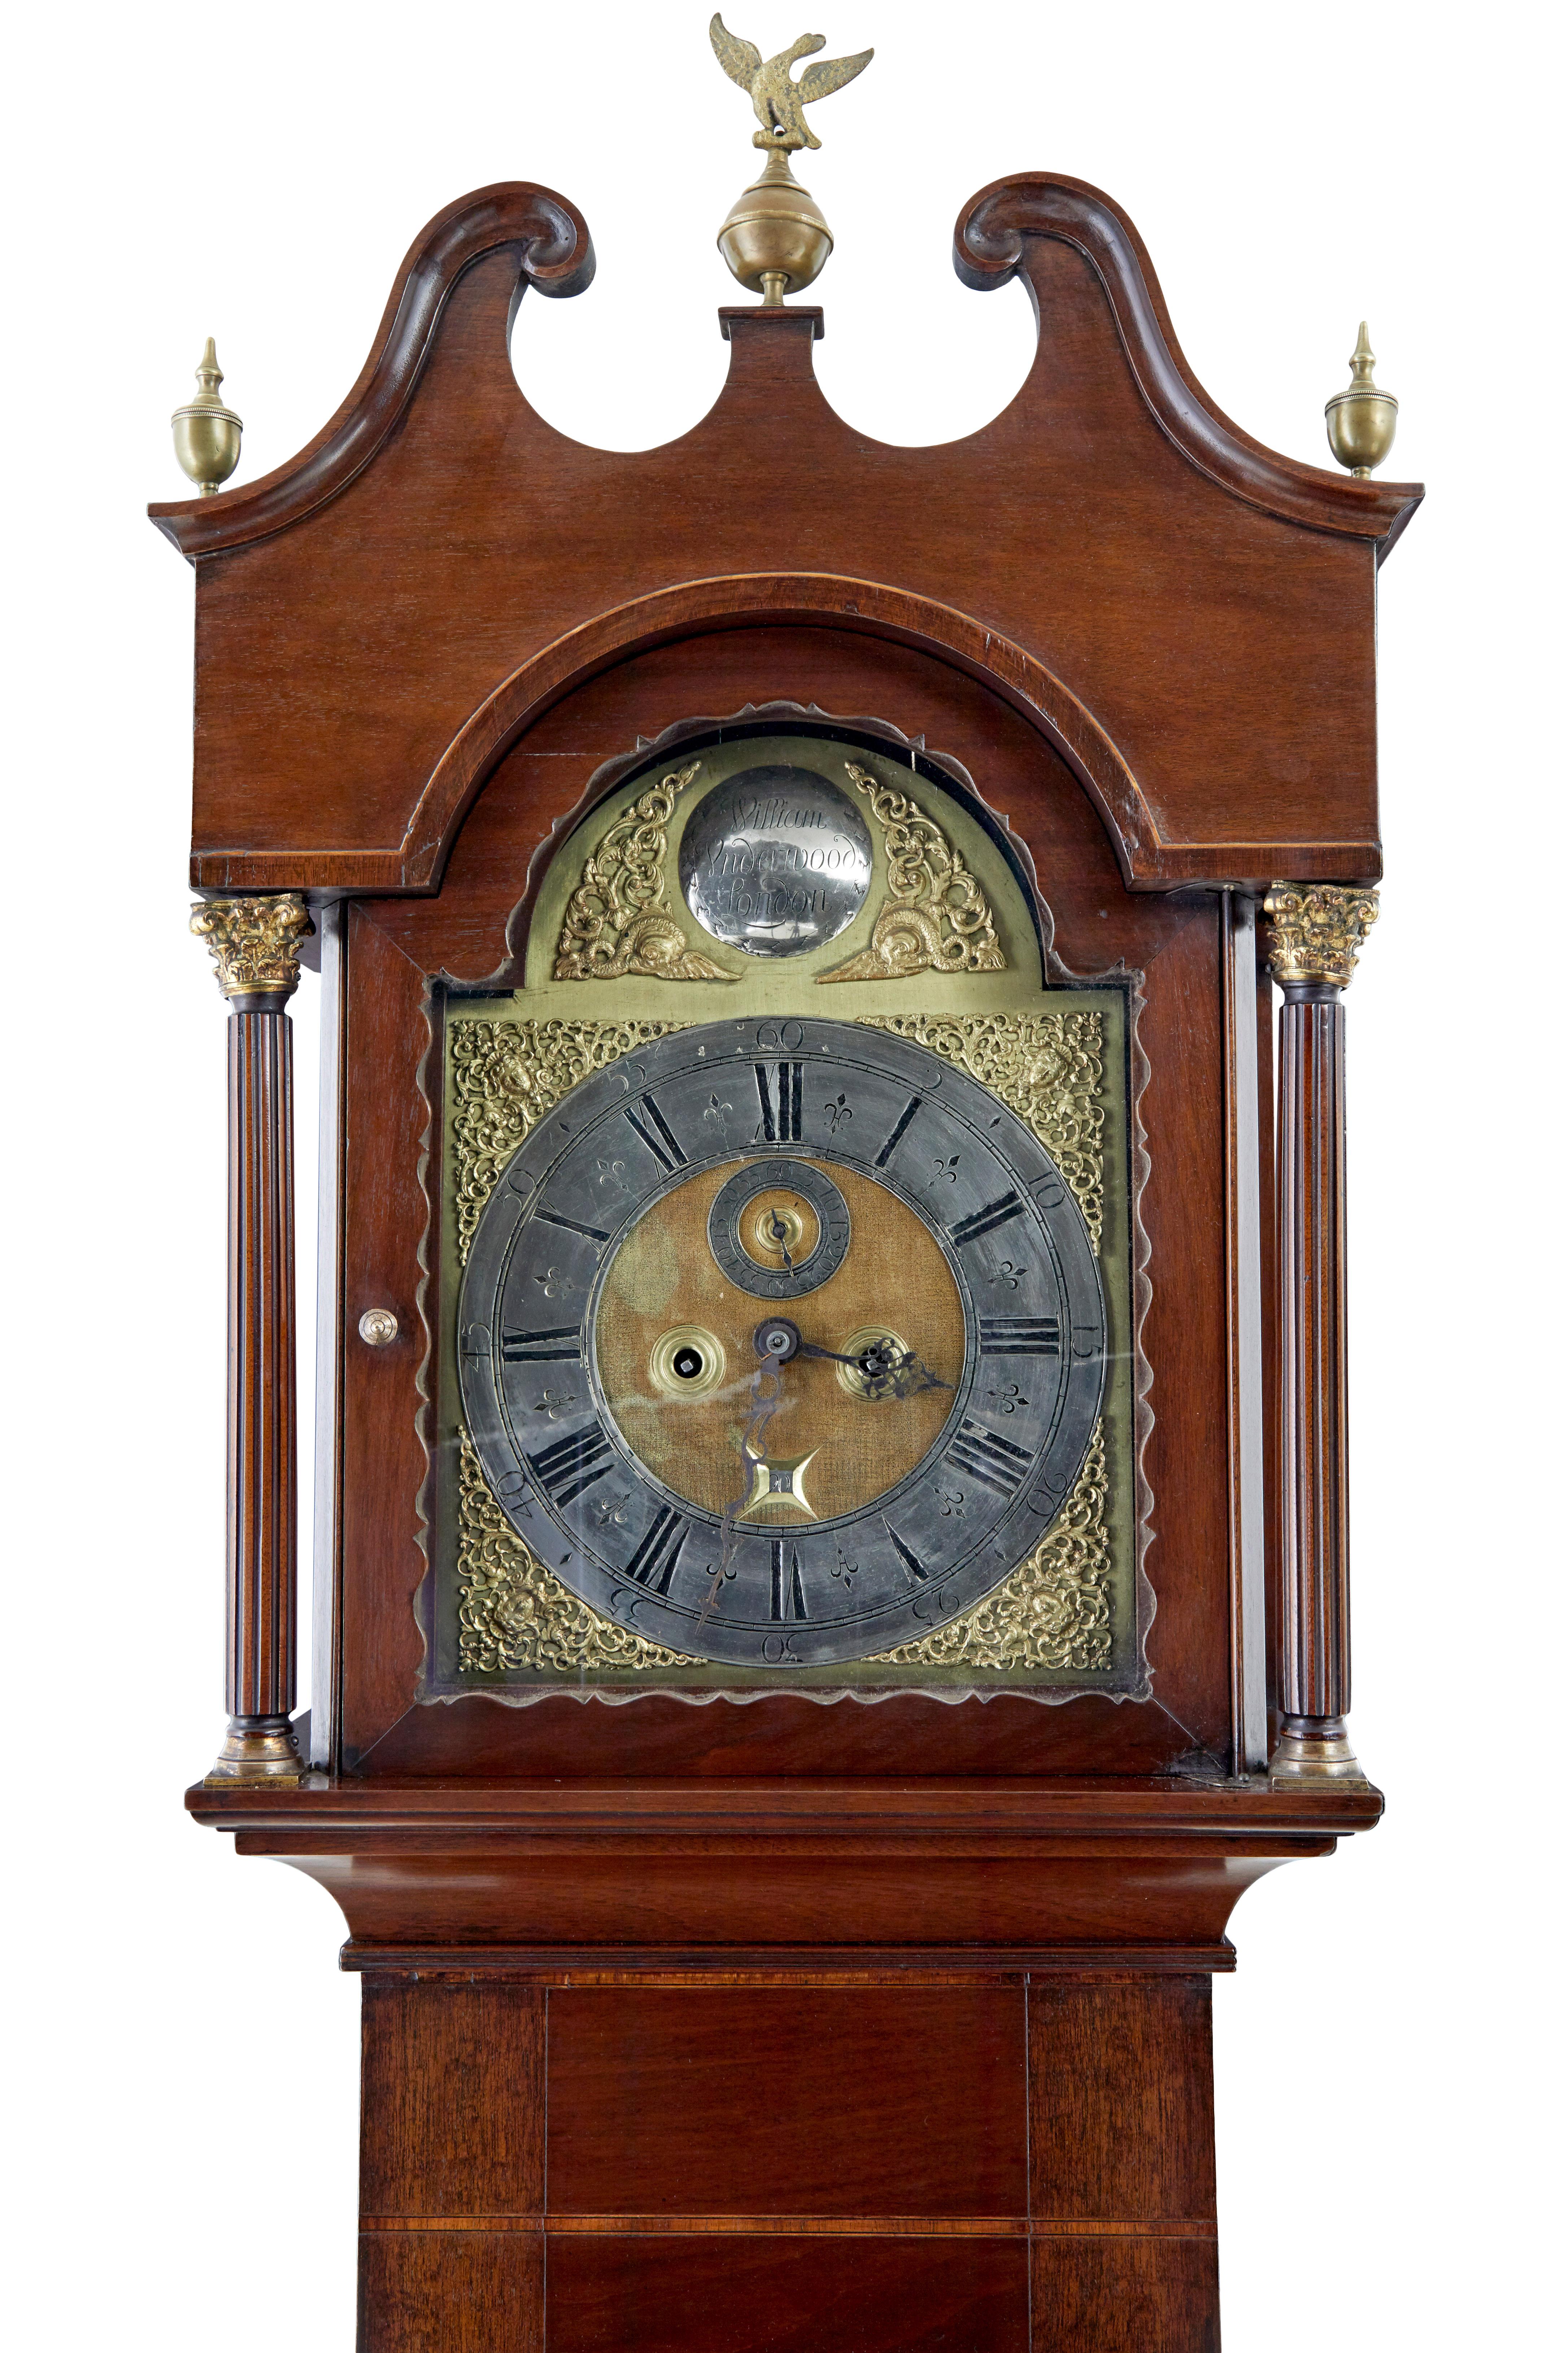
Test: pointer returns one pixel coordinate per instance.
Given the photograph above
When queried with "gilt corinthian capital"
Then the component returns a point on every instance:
(1316, 930)
(254, 943)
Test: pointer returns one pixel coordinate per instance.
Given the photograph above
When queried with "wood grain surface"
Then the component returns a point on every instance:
(394, 945)
(793, 2295)
(1192, 592)
(788, 2024)
(818, 2104)
(1121, 2101)
(262, 1581)
(452, 2098)
(1015, 2164)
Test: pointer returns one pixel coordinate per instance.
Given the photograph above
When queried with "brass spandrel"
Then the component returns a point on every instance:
(619, 919)
(935, 917)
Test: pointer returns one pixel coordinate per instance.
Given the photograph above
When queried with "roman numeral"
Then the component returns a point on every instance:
(566, 1469)
(570, 1225)
(789, 1593)
(982, 1221)
(905, 1555)
(653, 1563)
(1020, 1336)
(657, 1134)
(983, 1454)
(895, 1138)
(563, 1346)
(779, 1098)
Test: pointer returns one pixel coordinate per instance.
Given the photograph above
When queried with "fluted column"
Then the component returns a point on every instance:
(255, 944)
(1316, 931)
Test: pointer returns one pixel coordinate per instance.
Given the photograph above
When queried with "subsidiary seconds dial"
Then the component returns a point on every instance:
(781, 1342)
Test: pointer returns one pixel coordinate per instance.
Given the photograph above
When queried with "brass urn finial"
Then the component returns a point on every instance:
(206, 433)
(775, 237)
(1360, 419)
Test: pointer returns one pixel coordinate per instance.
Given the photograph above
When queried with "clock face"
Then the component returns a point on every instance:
(782, 1341)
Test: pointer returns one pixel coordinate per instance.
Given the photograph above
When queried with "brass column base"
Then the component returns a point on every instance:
(257, 1748)
(1313, 1748)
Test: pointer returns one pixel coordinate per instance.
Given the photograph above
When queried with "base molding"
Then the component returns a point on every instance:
(817, 1965)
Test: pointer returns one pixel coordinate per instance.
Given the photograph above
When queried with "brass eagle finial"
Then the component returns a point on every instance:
(778, 101)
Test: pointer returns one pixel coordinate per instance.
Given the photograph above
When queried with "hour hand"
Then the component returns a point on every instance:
(888, 1374)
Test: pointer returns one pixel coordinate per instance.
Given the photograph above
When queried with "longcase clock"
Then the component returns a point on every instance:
(830, 1566)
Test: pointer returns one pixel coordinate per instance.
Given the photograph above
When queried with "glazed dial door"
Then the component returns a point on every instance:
(774, 1332)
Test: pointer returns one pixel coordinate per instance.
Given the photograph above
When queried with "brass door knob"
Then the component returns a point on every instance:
(378, 1327)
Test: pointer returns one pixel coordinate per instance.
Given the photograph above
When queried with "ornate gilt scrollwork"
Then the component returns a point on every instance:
(1047, 1067)
(255, 943)
(505, 1076)
(1317, 931)
(1054, 1611)
(618, 920)
(513, 1614)
(935, 918)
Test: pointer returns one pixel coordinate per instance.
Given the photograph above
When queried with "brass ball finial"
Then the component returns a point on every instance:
(206, 433)
(775, 237)
(1360, 419)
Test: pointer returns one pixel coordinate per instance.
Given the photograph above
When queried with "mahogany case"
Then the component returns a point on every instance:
(1150, 642)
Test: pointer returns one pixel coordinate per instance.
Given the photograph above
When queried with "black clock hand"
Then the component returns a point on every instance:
(780, 1232)
(777, 1340)
(906, 1377)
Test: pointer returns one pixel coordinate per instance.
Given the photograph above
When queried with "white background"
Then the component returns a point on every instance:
(185, 2050)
